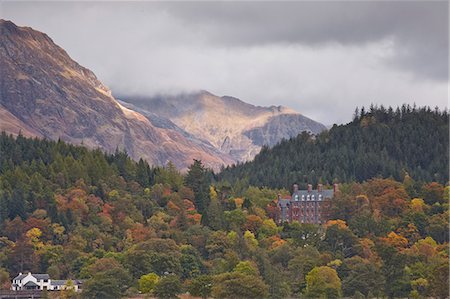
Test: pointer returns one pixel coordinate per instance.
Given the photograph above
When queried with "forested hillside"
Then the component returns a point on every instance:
(126, 228)
(379, 142)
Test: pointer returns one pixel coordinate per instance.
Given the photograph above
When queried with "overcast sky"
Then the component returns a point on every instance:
(320, 58)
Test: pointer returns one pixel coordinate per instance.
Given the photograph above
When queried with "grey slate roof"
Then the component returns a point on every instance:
(58, 282)
(325, 194)
(31, 284)
(20, 277)
(55, 282)
(283, 202)
(41, 276)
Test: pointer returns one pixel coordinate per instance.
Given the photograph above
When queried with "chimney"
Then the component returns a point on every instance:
(319, 187)
(309, 187)
(295, 188)
(335, 187)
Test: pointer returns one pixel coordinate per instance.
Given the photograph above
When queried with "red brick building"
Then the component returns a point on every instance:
(305, 206)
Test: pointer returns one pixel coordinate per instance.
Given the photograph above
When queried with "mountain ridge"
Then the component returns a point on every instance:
(231, 125)
(46, 94)
(56, 97)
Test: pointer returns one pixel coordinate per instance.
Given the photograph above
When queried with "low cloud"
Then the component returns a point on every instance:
(322, 59)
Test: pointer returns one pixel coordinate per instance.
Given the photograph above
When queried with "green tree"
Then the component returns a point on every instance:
(360, 275)
(214, 214)
(246, 267)
(323, 282)
(198, 180)
(154, 255)
(170, 175)
(148, 282)
(239, 285)
(191, 263)
(168, 287)
(201, 286)
(101, 286)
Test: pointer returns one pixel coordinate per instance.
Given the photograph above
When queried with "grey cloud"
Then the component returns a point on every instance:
(320, 58)
(313, 22)
(419, 29)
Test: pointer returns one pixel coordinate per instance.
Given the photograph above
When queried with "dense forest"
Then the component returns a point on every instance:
(127, 228)
(378, 142)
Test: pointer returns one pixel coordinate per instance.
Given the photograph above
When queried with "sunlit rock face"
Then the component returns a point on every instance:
(44, 93)
(232, 126)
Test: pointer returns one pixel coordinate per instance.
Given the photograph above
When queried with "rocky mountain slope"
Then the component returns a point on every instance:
(229, 124)
(44, 93)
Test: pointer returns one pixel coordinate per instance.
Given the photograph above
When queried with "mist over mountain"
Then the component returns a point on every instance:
(232, 126)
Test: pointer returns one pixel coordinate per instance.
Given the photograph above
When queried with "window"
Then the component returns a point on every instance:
(296, 197)
(303, 197)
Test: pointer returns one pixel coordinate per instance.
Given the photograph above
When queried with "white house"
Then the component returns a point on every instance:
(42, 282)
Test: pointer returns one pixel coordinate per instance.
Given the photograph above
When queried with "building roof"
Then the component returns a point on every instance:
(20, 276)
(41, 276)
(58, 282)
(37, 276)
(325, 194)
(31, 284)
(64, 282)
(283, 202)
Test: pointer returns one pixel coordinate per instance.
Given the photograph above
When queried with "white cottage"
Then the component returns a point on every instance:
(42, 282)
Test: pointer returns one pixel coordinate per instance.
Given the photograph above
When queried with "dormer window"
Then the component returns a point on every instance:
(320, 196)
(296, 197)
(303, 197)
(313, 197)
(308, 197)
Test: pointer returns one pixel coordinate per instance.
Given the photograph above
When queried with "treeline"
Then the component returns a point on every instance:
(379, 142)
(126, 227)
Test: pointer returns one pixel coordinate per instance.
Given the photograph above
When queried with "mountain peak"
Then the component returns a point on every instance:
(231, 125)
(47, 94)
(8, 27)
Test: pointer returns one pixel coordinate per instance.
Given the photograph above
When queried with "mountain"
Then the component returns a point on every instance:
(378, 143)
(232, 126)
(44, 93)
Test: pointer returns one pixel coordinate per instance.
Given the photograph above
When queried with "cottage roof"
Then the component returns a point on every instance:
(20, 276)
(58, 282)
(64, 282)
(37, 276)
(41, 276)
(31, 284)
